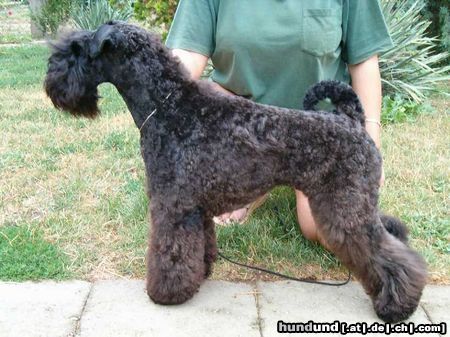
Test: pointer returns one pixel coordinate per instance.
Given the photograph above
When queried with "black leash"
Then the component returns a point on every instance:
(282, 275)
(286, 276)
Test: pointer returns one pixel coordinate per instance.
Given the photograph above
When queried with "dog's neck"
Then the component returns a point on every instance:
(158, 94)
(143, 102)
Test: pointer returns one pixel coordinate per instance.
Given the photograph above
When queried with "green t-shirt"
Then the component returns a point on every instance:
(272, 51)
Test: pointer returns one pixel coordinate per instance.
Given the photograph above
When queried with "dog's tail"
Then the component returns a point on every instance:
(341, 95)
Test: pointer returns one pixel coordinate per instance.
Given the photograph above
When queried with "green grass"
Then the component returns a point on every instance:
(26, 255)
(272, 239)
(77, 186)
(22, 66)
(14, 23)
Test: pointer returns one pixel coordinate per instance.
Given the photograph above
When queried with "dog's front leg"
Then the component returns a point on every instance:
(175, 262)
(210, 246)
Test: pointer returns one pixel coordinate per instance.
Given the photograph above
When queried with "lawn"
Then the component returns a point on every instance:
(78, 185)
(72, 200)
(14, 22)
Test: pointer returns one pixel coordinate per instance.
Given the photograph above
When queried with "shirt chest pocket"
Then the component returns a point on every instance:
(321, 31)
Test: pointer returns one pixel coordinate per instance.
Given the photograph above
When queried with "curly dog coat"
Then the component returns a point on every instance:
(207, 153)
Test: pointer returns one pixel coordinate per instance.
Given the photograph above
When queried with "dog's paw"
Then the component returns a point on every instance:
(392, 309)
(403, 276)
(171, 292)
(170, 298)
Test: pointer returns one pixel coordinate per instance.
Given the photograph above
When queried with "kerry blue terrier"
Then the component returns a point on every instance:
(206, 153)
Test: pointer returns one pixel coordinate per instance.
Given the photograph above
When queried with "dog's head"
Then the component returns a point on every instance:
(125, 55)
(71, 80)
(81, 60)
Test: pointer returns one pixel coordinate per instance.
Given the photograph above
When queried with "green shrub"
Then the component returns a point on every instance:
(89, 14)
(51, 15)
(157, 13)
(84, 14)
(22, 2)
(438, 12)
(121, 4)
(413, 67)
(398, 109)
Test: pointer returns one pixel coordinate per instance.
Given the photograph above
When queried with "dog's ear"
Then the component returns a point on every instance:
(76, 47)
(102, 37)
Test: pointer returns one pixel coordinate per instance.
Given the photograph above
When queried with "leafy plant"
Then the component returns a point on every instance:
(121, 4)
(51, 15)
(438, 12)
(413, 66)
(398, 109)
(89, 14)
(157, 13)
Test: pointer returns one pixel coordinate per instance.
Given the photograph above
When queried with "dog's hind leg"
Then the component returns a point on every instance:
(395, 227)
(210, 245)
(392, 274)
(175, 262)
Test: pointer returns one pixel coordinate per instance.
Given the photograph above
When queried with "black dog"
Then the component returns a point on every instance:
(206, 153)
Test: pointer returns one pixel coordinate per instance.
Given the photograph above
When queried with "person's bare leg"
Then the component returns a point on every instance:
(241, 215)
(236, 216)
(306, 221)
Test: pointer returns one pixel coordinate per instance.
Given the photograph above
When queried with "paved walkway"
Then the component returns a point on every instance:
(119, 308)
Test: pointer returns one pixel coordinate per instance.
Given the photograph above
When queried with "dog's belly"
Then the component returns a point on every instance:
(237, 184)
(229, 198)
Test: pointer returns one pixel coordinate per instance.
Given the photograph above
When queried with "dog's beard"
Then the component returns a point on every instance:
(72, 94)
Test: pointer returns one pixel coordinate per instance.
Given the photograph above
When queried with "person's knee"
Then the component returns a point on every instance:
(305, 219)
(308, 228)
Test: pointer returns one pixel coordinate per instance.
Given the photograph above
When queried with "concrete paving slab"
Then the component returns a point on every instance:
(41, 309)
(300, 303)
(436, 302)
(122, 308)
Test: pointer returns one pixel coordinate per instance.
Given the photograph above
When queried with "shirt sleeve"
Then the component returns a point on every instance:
(364, 30)
(193, 27)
